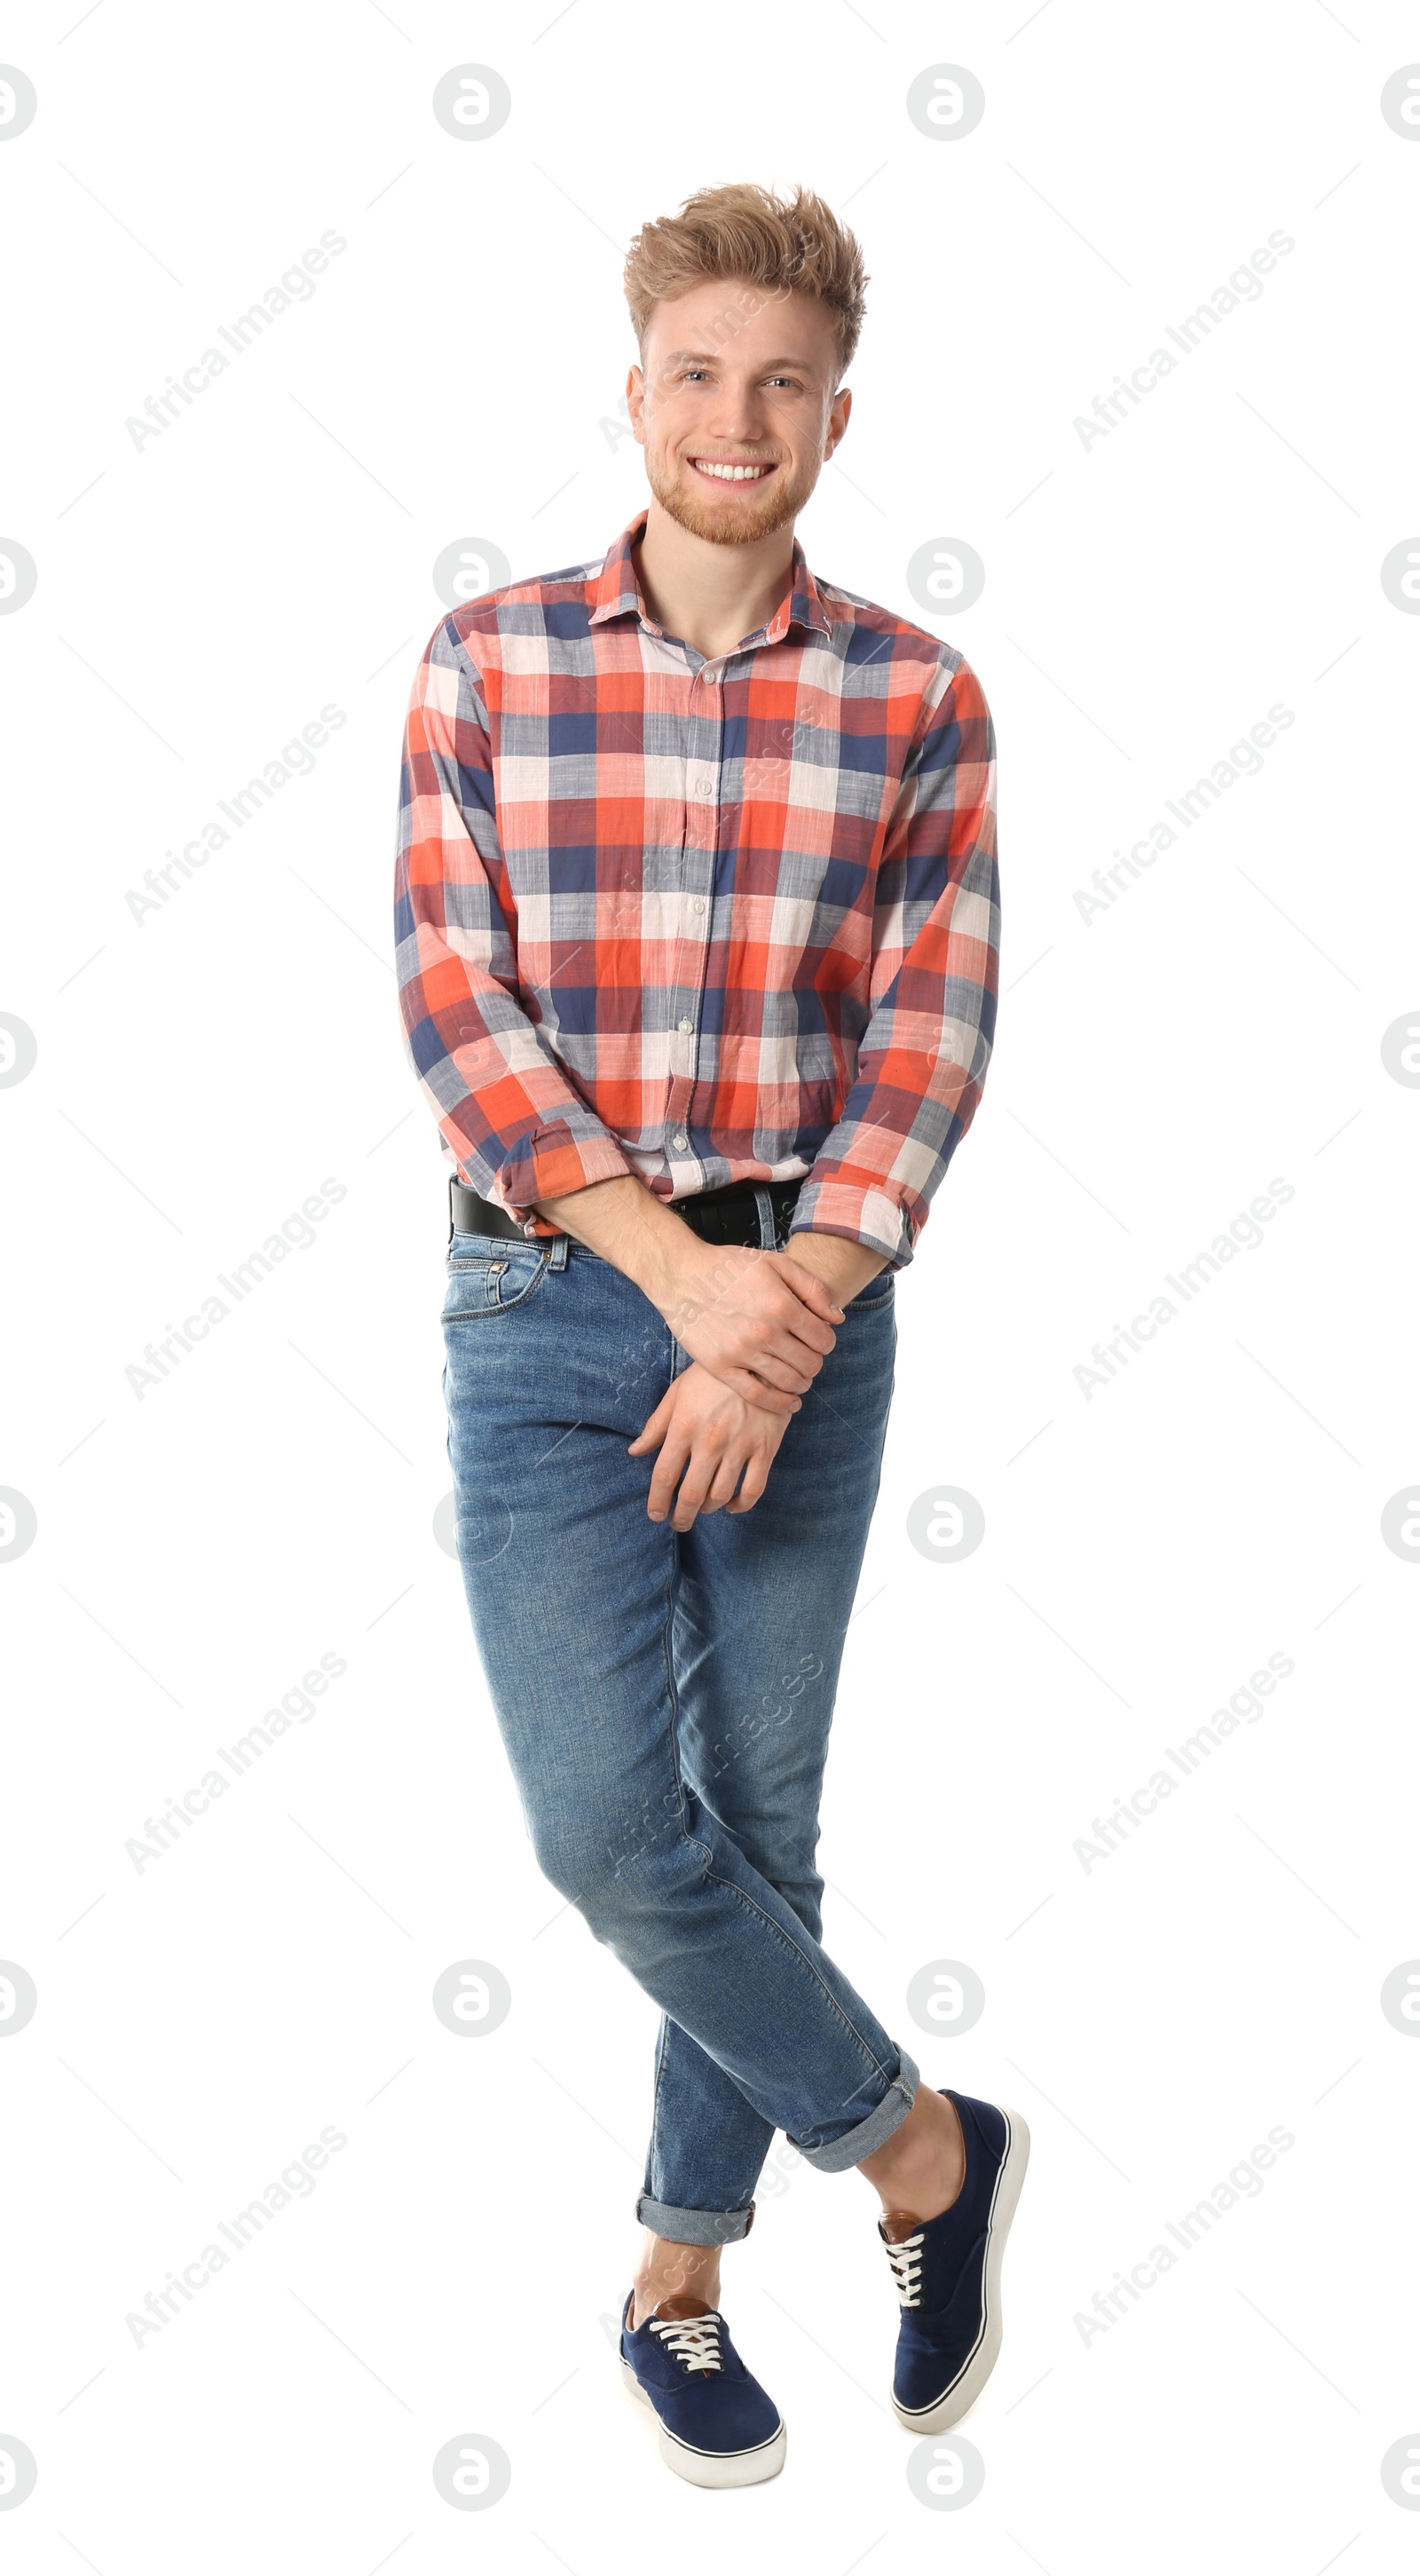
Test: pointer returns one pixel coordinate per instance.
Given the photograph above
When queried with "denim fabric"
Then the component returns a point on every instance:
(665, 1700)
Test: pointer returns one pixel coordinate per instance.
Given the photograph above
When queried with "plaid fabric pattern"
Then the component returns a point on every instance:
(698, 921)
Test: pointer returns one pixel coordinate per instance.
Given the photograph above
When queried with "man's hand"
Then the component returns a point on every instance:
(708, 1439)
(760, 1322)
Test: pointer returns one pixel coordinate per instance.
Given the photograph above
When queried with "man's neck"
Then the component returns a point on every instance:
(710, 596)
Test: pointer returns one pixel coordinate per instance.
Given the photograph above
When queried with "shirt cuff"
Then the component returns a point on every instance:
(550, 1163)
(862, 1215)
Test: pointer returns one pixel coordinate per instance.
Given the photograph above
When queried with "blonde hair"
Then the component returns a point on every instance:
(784, 244)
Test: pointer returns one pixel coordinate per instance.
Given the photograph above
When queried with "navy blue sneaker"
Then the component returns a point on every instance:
(717, 2426)
(948, 2275)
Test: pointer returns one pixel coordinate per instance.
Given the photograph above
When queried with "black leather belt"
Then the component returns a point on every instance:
(728, 1215)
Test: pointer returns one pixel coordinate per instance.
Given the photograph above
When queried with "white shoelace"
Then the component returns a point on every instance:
(693, 2340)
(906, 2261)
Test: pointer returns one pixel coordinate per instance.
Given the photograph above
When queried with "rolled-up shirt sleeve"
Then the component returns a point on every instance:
(513, 1122)
(923, 1054)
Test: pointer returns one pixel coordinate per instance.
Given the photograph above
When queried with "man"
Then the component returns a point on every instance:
(697, 925)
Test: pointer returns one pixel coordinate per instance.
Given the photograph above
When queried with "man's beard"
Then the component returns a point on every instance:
(730, 524)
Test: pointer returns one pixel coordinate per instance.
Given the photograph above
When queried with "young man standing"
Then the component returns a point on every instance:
(697, 927)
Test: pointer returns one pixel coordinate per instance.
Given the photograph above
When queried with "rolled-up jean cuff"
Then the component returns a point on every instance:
(876, 2130)
(694, 2226)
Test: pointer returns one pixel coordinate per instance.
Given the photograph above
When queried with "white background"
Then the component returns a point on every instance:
(457, 373)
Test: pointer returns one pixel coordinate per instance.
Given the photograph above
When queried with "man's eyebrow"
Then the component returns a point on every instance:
(703, 357)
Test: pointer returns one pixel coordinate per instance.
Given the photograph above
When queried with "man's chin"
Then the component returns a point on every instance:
(731, 523)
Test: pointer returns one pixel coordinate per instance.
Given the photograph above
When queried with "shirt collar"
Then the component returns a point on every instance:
(617, 592)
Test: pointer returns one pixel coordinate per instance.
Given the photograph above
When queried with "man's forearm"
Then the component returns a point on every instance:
(844, 1267)
(642, 1237)
(628, 1225)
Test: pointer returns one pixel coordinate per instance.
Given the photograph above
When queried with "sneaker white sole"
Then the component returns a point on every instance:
(958, 2400)
(710, 2468)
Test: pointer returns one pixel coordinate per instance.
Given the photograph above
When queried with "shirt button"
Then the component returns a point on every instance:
(697, 904)
(705, 787)
(685, 1027)
(679, 1143)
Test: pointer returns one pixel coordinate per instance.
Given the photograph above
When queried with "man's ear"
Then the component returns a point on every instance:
(635, 398)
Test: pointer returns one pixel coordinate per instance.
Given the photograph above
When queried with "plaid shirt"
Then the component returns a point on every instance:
(699, 921)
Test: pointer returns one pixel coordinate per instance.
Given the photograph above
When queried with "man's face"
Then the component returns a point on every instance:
(734, 377)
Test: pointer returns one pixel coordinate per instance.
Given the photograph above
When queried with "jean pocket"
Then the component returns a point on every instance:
(489, 1275)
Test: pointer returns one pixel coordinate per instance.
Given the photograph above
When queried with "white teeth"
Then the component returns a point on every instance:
(731, 473)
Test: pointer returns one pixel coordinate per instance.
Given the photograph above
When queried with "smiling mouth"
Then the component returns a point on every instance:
(731, 470)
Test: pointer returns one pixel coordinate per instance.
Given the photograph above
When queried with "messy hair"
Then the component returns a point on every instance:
(782, 244)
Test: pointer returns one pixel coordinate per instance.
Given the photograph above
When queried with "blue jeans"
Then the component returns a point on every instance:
(665, 1698)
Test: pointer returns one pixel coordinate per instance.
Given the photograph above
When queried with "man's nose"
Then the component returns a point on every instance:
(738, 417)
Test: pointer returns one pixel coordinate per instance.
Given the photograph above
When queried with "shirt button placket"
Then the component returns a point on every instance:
(703, 784)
